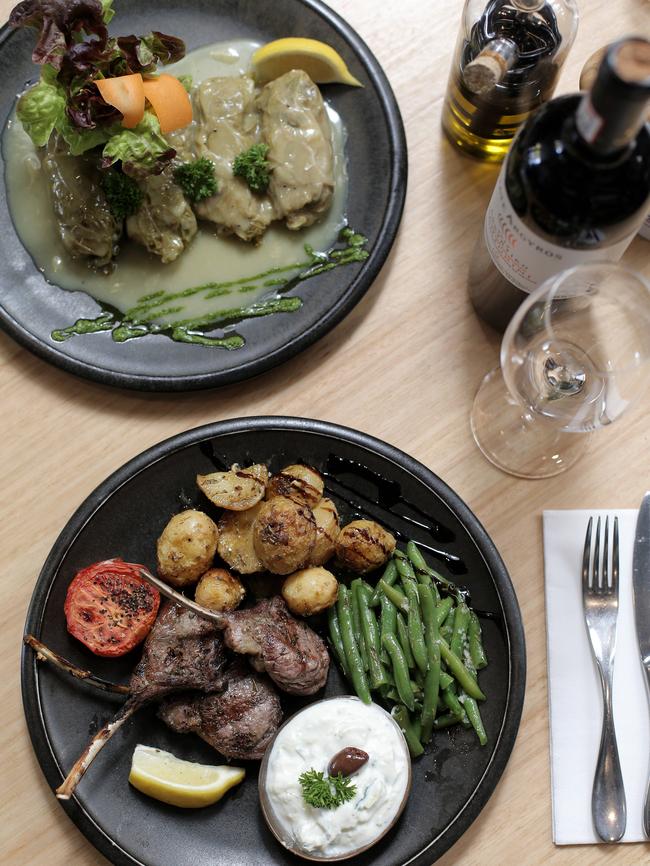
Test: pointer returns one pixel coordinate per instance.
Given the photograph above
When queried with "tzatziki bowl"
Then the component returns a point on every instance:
(317, 802)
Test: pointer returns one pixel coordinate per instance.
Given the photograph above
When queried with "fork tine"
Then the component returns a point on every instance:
(595, 583)
(585, 556)
(615, 558)
(606, 557)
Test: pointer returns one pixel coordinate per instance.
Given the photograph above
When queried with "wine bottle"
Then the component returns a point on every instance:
(575, 186)
(507, 60)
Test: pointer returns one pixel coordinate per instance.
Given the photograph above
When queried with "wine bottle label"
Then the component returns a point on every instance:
(523, 257)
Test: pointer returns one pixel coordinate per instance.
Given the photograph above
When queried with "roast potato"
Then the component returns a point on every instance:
(364, 545)
(310, 590)
(327, 531)
(218, 589)
(236, 540)
(237, 489)
(284, 533)
(298, 482)
(186, 547)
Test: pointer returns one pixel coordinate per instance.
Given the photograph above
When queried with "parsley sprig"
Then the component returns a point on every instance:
(326, 792)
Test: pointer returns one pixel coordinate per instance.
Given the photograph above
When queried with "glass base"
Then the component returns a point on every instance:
(516, 441)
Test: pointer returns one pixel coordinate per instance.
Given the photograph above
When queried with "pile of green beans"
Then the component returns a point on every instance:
(414, 641)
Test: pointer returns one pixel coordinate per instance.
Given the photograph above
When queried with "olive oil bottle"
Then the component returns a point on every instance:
(506, 63)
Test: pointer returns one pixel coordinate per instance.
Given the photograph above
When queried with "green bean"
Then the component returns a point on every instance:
(446, 721)
(476, 649)
(432, 680)
(389, 576)
(388, 623)
(400, 670)
(414, 624)
(401, 716)
(447, 628)
(461, 621)
(450, 700)
(474, 716)
(443, 608)
(445, 680)
(336, 639)
(405, 569)
(352, 654)
(414, 554)
(403, 637)
(464, 678)
(370, 631)
(394, 594)
(356, 621)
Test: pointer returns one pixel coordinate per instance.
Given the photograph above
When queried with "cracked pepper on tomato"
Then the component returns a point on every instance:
(110, 608)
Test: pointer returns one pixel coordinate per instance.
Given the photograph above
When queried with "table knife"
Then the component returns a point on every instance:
(641, 583)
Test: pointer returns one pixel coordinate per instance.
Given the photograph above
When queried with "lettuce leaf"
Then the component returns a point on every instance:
(59, 23)
(81, 140)
(107, 10)
(40, 110)
(140, 147)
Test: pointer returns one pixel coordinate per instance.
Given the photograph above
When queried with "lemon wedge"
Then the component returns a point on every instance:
(320, 61)
(165, 777)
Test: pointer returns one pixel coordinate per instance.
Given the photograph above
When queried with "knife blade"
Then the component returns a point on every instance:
(641, 585)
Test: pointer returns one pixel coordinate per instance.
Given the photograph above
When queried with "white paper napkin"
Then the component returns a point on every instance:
(575, 699)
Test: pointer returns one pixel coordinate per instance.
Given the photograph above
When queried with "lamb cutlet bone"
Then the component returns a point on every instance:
(182, 651)
(290, 652)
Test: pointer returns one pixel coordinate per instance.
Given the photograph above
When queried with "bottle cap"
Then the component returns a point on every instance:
(612, 113)
(487, 69)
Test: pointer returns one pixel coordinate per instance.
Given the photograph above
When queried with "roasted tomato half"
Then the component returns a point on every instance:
(110, 608)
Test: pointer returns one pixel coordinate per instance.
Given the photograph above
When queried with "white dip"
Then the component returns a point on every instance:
(309, 741)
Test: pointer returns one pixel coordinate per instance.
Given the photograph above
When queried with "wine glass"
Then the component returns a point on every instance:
(574, 356)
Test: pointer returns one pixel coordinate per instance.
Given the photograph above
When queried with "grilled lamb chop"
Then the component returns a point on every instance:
(182, 651)
(290, 652)
(239, 722)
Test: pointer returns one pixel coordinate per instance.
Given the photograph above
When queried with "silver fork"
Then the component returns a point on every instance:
(600, 603)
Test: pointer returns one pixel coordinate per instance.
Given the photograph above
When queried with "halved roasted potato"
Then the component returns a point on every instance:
(284, 533)
(327, 531)
(236, 540)
(364, 545)
(298, 482)
(237, 489)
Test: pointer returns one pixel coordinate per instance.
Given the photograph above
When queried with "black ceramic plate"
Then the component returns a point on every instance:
(30, 308)
(124, 516)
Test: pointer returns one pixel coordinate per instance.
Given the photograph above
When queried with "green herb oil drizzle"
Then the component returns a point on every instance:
(143, 319)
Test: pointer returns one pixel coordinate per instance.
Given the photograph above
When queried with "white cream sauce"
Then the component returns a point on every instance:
(209, 259)
(309, 741)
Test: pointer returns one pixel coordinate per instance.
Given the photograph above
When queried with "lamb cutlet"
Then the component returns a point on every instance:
(286, 648)
(239, 722)
(182, 651)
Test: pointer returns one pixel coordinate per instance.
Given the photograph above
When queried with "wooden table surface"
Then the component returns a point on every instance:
(404, 366)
